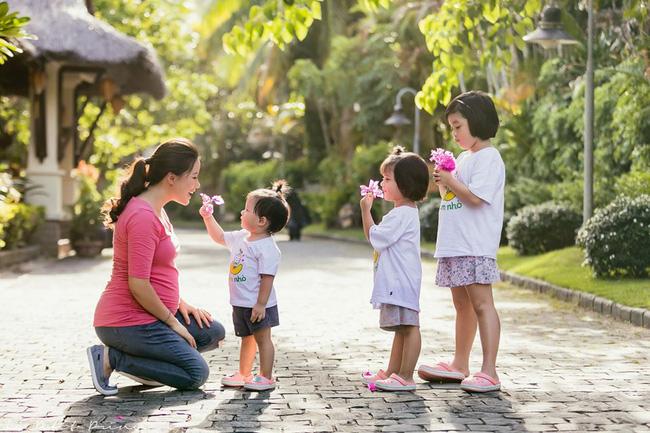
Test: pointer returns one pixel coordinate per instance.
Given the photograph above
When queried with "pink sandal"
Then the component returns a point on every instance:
(395, 383)
(368, 377)
(480, 382)
(440, 371)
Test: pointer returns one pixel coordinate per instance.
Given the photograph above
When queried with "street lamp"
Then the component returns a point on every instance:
(550, 34)
(399, 119)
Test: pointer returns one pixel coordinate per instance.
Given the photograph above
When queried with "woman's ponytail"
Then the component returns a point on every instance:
(133, 185)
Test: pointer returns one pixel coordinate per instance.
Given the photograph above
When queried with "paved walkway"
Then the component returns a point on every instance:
(562, 369)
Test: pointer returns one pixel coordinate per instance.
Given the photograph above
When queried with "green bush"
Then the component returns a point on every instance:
(341, 180)
(429, 218)
(616, 239)
(243, 177)
(539, 228)
(633, 184)
(18, 221)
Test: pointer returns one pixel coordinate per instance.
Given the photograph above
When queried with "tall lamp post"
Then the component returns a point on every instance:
(399, 119)
(550, 34)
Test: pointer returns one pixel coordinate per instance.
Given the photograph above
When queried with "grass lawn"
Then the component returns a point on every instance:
(562, 268)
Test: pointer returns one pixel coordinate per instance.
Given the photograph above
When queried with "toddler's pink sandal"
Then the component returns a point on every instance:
(368, 377)
(440, 371)
(395, 383)
(235, 379)
(480, 382)
(259, 383)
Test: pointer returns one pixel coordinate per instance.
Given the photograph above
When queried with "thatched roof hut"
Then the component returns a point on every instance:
(68, 33)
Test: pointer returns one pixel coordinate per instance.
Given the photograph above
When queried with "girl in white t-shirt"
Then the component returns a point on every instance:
(254, 261)
(397, 266)
(469, 229)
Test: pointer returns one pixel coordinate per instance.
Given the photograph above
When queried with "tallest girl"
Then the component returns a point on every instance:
(469, 230)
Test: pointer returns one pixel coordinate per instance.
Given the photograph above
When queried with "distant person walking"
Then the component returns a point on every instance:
(150, 333)
(299, 217)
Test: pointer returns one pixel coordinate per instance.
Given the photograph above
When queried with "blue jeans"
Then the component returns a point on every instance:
(157, 353)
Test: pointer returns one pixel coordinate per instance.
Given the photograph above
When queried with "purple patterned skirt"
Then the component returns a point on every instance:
(465, 270)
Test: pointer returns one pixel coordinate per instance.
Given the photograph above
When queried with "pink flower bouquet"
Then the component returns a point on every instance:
(444, 159)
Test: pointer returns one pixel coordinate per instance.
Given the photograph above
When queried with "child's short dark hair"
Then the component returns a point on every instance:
(479, 110)
(271, 204)
(410, 171)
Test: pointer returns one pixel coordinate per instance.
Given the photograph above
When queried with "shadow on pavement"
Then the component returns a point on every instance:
(241, 413)
(493, 409)
(131, 406)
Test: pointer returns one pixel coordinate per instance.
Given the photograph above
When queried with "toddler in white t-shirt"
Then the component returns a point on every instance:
(397, 265)
(254, 261)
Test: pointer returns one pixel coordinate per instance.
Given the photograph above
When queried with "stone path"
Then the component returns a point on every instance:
(562, 369)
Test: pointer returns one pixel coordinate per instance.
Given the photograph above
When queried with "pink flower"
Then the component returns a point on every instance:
(372, 187)
(207, 202)
(372, 387)
(444, 159)
(216, 199)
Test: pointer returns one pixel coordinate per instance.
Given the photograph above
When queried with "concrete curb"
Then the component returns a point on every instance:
(634, 316)
(19, 255)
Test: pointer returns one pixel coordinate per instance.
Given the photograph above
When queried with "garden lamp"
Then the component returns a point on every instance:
(550, 34)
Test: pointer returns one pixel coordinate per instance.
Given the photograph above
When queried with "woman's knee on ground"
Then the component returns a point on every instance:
(209, 338)
(198, 374)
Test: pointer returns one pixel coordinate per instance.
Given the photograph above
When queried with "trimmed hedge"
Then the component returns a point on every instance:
(616, 239)
(544, 227)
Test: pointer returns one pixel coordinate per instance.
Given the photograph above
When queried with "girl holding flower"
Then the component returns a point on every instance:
(398, 269)
(254, 262)
(469, 230)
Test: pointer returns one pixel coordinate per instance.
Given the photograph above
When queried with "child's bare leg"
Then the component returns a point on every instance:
(410, 350)
(247, 352)
(489, 325)
(466, 323)
(395, 361)
(267, 351)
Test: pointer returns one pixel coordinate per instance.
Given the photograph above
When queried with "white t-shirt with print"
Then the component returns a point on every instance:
(465, 230)
(398, 269)
(248, 261)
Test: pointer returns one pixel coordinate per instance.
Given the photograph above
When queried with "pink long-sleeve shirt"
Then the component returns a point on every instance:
(144, 246)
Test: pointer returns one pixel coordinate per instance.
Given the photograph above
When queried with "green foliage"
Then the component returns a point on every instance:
(14, 132)
(341, 184)
(145, 122)
(356, 85)
(544, 227)
(429, 211)
(277, 21)
(87, 220)
(616, 240)
(633, 184)
(11, 27)
(240, 178)
(18, 221)
(469, 36)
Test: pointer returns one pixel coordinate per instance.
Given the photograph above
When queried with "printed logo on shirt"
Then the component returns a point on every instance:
(237, 264)
(449, 196)
(454, 205)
